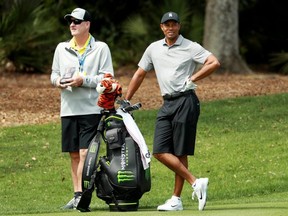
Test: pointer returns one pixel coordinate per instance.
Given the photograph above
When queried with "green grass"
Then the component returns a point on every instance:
(241, 146)
(252, 209)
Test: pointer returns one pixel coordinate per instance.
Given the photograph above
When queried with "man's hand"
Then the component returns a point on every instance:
(124, 103)
(189, 85)
(59, 84)
(75, 81)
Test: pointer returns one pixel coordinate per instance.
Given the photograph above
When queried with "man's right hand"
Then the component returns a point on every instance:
(125, 103)
(59, 85)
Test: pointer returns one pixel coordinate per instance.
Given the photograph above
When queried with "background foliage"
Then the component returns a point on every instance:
(31, 29)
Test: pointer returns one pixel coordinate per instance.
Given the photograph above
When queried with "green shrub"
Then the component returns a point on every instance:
(27, 35)
(280, 62)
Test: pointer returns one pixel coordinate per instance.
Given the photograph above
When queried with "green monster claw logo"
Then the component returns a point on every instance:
(92, 149)
(86, 184)
(125, 176)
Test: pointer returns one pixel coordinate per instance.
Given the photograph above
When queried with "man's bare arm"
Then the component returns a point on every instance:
(211, 64)
(135, 83)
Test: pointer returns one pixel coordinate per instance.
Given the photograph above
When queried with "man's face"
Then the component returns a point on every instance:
(170, 29)
(78, 27)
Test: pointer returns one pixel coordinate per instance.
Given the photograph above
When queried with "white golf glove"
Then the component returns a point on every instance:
(189, 85)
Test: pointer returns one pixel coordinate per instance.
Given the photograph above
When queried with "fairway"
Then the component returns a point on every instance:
(253, 209)
(241, 144)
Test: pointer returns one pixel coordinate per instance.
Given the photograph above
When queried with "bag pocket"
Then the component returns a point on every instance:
(114, 138)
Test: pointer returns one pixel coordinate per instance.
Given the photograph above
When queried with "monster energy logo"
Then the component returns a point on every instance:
(86, 184)
(125, 176)
(92, 149)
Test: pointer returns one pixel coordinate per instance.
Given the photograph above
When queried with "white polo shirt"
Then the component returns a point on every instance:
(174, 64)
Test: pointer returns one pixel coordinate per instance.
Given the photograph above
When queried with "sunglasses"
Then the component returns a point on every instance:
(75, 21)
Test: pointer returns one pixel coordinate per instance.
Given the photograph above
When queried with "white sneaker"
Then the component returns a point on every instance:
(200, 190)
(172, 204)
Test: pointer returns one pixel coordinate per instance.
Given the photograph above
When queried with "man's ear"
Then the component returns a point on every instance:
(88, 24)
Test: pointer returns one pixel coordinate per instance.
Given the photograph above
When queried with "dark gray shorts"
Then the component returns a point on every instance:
(176, 123)
(78, 131)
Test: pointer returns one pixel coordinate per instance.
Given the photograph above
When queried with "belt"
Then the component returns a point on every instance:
(177, 95)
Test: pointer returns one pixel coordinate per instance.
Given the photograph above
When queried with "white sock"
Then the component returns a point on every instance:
(175, 198)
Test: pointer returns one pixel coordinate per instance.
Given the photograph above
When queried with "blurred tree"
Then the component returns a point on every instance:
(221, 35)
(31, 29)
(27, 30)
(264, 39)
(142, 28)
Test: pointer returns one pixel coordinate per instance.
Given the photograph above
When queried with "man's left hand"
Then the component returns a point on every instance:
(76, 81)
(189, 85)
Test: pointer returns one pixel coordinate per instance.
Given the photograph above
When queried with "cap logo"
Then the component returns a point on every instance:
(170, 15)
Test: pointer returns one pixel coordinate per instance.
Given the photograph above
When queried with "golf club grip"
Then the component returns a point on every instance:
(132, 108)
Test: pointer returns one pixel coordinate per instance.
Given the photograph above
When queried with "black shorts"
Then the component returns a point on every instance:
(176, 123)
(78, 131)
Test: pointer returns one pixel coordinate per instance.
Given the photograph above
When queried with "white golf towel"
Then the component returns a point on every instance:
(136, 134)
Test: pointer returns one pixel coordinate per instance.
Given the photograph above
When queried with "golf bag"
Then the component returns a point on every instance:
(121, 180)
(119, 177)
